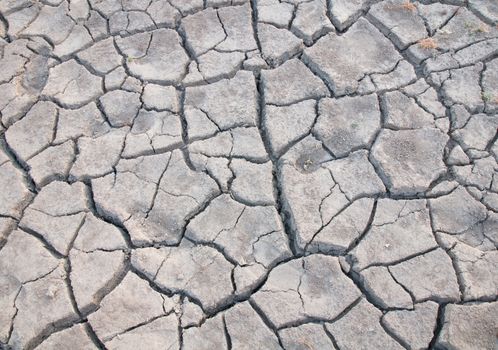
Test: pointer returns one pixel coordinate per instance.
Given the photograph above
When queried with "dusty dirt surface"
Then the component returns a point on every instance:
(235, 174)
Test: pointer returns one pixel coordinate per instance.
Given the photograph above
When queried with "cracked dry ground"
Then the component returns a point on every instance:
(234, 174)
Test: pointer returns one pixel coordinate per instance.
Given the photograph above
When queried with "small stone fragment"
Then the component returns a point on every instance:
(93, 274)
(76, 40)
(34, 132)
(311, 21)
(443, 209)
(85, 121)
(247, 330)
(356, 176)
(472, 325)
(96, 234)
(15, 194)
(247, 234)
(190, 269)
(402, 75)
(409, 160)
(192, 314)
(463, 87)
(360, 329)
(228, 102)
(287, 124)
(203, 30)
(399, 230)
(120, 107)
(161, 333)
(40, 304)
(277, 45)
(52, 22)
(77, 334)
(478, 132)
(476, 270)
(253, 182)
(60, 198)
(237, 24)
(334, 57)
(199, 126)
(399, 21)
(215, 65)
(157, 56)
(102, 56)
(303, 193)
(290, 83)
(384, 290)
(210, 335)
(276, 13)
(52, 163)
(344, 229)
(98, 156)
(457, 156)
(160, 98)
(348, 124)
(314, 287)
(344, 12)
(403, 112)
(428, 277)
(58, 231)
(73, 85)
(415, 327)
(307, 336)
(121, 310)
(490, 86)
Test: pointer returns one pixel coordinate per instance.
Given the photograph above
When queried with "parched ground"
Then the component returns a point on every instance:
(235, 174)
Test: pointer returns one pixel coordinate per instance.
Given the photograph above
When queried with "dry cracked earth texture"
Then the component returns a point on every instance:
(235, 174)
